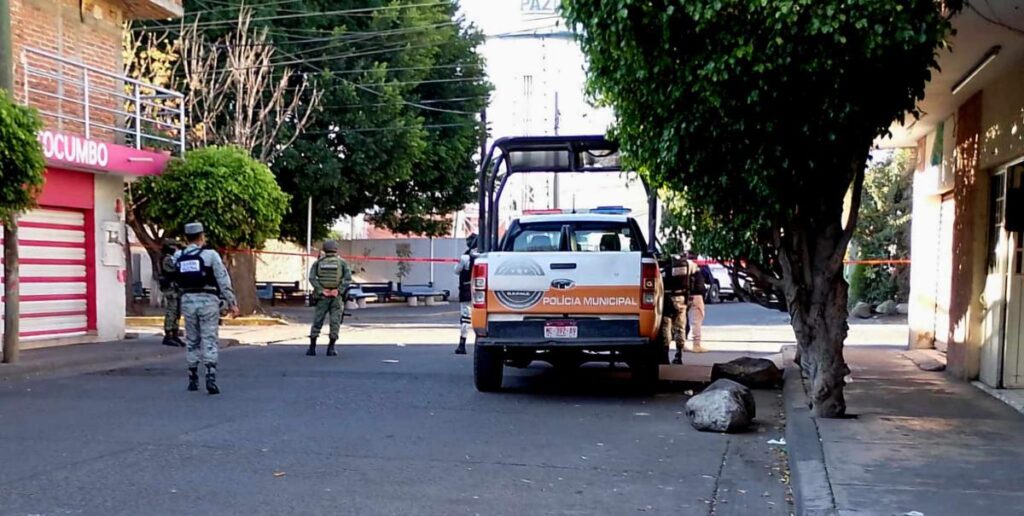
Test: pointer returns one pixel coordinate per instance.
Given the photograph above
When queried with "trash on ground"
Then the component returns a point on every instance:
(777, 442)
(390, 361)
(279, 474)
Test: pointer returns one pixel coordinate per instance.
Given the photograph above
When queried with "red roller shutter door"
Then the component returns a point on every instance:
(55, 299)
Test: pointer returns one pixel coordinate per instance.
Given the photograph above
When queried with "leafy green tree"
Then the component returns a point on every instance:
(21, 158)
(21, 180)
(883, 228)
(397, 127)
(235, 197)
(761, 114)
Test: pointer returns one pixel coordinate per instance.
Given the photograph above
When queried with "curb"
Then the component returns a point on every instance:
(96, 362)
(136, 321)
(812, 491)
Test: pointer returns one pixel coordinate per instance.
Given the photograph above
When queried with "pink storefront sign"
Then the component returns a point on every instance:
(76, 153)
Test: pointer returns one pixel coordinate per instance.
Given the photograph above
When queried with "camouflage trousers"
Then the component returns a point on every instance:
(673, 322)
(202, 317)
(465, 319)
(172, 309)
(327, 306)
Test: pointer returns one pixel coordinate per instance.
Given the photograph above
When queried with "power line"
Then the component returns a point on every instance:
(340, 41)
(379, 94)
(429, 101)
(306, 14)
(392, 128)
(296, 60)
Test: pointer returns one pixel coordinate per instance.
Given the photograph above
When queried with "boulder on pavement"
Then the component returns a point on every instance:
(862, 311)
(903, 309)
(725, 406)
(886, 308)
(755, 373)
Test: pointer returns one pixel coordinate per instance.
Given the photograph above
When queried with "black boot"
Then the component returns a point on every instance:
(311, 352)
(211, 379)
(193, 379)
(176, 337)
(664, 356)
(678, 360)
(461, 350)
(171, 339)
(330, 349)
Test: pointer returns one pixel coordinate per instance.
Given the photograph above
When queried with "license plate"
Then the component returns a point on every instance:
(561, 330)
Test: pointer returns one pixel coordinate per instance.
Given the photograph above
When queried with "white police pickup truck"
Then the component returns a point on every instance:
(567, 288)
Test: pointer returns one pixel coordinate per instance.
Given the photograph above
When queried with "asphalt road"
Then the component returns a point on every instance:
(357, 435)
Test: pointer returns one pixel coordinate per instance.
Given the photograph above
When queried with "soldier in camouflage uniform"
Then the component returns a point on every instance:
(678, 277)
(171, 295)
(329, 277)
(203, 280)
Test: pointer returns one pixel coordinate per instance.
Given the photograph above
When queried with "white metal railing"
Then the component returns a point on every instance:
(101, 104)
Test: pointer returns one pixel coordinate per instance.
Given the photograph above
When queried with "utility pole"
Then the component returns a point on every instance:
(11, 279)
(554, 183)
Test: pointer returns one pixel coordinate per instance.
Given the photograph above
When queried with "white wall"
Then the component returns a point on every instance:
(110, 287)
(925, 239)
(420, 272)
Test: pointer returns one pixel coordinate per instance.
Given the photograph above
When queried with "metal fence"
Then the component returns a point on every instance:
(75, 97)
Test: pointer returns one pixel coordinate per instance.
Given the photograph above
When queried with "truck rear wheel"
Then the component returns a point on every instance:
(646, 370)
(488, 367)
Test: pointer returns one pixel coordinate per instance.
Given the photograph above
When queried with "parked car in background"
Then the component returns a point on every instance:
(720, 289)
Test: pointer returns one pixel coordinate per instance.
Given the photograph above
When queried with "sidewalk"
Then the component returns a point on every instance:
(918, 443)
(98, 356)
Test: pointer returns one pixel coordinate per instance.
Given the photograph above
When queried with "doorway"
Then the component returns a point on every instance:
(1002, 359)
(944, 272)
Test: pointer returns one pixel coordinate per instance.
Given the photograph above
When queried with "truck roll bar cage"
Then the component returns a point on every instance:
(546, 154)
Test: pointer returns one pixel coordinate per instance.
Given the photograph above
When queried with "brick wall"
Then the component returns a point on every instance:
(89, 32)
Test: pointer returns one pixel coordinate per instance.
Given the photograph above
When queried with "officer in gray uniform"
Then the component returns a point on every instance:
(465, 271)
(171, 294)
(203, 280)
(329, 276)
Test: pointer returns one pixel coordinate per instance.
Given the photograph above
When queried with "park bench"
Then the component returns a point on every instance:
(413, 294)
(279, 290)
(383, 290)
(359, 296)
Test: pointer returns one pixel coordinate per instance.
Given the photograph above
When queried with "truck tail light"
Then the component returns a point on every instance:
(480, 285)
(648, 287)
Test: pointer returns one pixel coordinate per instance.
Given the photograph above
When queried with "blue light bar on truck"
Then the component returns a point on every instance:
(600, 210)
(611, 210)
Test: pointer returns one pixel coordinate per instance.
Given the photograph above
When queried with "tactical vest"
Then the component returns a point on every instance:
(329, 270)
(678, 276)
(168, 271)
(194, 274)
(466, 282)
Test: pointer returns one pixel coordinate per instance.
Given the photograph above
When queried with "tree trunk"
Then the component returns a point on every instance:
(156, 298)
(12, 307)
(242, 268)
(130, 276)
(819, 320)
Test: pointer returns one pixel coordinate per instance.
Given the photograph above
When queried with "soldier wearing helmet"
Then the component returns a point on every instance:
(329, 276)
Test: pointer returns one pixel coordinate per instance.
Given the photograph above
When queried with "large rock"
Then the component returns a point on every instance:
(903, 309)
(725, 406)
(862, 311)
(887, 308)
(755, 373)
